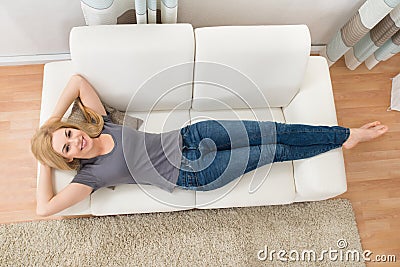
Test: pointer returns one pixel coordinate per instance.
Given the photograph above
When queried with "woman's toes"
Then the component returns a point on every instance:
(370, 125)
(375, 132)
(382, 129)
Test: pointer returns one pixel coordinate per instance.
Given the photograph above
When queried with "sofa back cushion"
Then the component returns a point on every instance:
(137, 67)
(249, 66)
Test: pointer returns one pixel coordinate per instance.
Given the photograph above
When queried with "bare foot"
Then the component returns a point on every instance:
(365, 133)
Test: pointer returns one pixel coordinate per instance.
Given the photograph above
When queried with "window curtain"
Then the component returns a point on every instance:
(386, 51)
(169, 11)
(99, 12)
(366, 32)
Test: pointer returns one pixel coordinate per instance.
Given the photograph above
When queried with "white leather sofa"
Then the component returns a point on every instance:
(239, 72)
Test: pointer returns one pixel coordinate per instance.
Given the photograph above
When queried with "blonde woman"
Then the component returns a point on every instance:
(202, 156)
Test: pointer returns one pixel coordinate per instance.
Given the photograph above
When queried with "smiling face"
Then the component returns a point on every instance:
(72, 143)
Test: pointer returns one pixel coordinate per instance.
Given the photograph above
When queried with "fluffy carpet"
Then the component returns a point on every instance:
(228, 237)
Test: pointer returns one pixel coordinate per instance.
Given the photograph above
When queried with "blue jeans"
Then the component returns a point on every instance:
(214, 153)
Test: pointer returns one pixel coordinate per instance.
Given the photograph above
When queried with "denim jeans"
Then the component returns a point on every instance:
(214, 153)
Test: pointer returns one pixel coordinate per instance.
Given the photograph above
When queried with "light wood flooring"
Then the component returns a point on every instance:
(373, 169)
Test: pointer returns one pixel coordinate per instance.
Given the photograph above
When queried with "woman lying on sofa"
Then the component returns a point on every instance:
(202, 156)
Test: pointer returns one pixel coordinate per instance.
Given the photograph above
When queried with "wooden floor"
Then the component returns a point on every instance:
(373, 169)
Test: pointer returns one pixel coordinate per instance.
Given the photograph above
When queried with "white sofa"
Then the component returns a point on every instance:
(239, 72)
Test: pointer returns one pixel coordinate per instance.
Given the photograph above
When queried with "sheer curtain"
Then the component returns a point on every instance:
(374, 27)
(169, 11)
(98, 12)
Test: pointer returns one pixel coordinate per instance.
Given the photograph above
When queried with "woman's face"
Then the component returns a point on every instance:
(72, 143)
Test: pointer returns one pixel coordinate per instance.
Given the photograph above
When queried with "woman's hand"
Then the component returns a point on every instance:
(89, 97)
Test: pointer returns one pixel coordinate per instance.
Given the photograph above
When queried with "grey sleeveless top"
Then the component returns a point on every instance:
(137, 158)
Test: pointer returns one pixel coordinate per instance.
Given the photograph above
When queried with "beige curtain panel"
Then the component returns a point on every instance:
(368, 30)
(374, 39)
(386, 51)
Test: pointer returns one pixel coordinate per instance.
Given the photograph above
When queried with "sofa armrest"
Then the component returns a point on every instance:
(323, 176)
(320, 177)
(56, 76)
(314, 103)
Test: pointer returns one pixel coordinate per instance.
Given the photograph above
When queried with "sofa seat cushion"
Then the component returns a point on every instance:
(162, 121)
(260, 114)
(132, 198)
(267, 185)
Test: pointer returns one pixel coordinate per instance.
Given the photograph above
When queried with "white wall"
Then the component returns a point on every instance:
(323, 17)
(37, 31)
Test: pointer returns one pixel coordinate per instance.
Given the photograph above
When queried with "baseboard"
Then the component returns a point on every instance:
(32, 59)
(315, 49)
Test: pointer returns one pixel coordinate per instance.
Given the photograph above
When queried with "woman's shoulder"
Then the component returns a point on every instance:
(85, 176)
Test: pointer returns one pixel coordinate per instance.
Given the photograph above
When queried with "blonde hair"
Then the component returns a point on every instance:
(41, 142)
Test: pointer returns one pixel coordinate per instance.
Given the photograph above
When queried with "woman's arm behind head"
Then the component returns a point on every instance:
(76, 87)
(48, 203)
